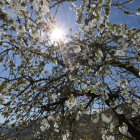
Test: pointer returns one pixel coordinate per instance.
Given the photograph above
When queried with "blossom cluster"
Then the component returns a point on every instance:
(71, 102)
(2, 99)
(44, 125)
(106, 118)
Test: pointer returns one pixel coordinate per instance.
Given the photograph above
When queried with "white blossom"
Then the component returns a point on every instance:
(108, 58)
(98, 85)
(106, 118)
(13, 97)
(36, 134)
(56, 125)
(104, 137)
(71, 102)
(90, 62)
(100, 53)
(77, 117)
(50, 117)
(112, 126)
(103, 131)
(17, 7)
(95, 119)
(65, 136)
(23, 6)
(119, 110)
(54, 97)
(138, 13)
(120, 52)
(71, 77)
(104, 95)
(56, 130)
(4, 108)
(30, 24)
(33, 33)
(2, 4)
(129, 99)
(44, 125)
(137, 101)
(2, 99)
(112, 104)
(77, 49)
(101, 2)
(72, 68)
(135, 107)
(72, 6)
(8, 86)
(20, 29)
(123, 129)
(44, 7)
(122, 83)
(98, 59)
(3, 35)
(99, 56)
(131, 1)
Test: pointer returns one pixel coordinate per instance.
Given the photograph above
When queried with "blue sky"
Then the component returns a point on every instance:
(67, 18)
(116, 16)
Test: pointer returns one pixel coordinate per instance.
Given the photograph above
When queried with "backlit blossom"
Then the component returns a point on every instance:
(123, 129)
(100, 53)
(71, 102)
(2, 4)
(90, 62)
(44, 125)
(136, 107)
(20, 29)
(2, 99)
(33, 33)
(104, 137)
(137, 101)
(119, 110)
(13, 97)
(65, 136)
(120, 53)
(112, 104)
(103, 131)
(122, 83)
(106, 118)
(95, 118)
(104, 96)
(54, 97)
(112, 127)
(77, 49)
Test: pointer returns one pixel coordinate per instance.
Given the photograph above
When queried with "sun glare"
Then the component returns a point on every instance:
(57, 34)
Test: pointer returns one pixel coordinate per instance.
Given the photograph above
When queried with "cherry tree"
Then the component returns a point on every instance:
(60, 77)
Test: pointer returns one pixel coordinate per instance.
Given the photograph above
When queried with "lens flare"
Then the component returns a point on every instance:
(57, 34)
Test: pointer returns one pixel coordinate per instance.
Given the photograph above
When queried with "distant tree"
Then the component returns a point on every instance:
(97, 66)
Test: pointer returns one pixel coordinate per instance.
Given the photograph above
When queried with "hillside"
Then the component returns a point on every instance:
(83, 128)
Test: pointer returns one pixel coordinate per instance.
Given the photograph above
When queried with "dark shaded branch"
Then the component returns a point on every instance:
(47, 107)
(131, 69)
(122, 119)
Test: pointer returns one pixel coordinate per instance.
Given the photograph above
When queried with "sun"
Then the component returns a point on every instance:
(57, 34)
